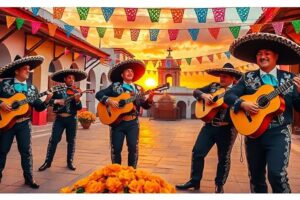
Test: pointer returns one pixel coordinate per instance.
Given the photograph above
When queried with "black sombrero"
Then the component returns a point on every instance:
(246, 48)
(227, 69)
(60, 75)
(8, 71)
(137, 66)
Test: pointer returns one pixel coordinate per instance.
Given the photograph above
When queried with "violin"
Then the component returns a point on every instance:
(73, 90)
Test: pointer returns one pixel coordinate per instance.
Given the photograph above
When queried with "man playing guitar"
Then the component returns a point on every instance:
(272, 148)
(17, 73)
(218, 131)
(122, 77)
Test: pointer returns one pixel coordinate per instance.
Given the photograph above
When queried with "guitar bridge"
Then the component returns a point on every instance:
(108, 111)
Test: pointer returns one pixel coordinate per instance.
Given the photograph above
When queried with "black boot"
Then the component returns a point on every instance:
(71, 166)
(188, 185)
(30, 181)
(45, 166)
(219, 189)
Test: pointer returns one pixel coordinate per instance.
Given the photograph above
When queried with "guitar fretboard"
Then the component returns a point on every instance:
(33, 98)
(281, 89)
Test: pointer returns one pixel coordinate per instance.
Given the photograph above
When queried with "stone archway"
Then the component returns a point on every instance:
(193, 107)
(103, 81)
(181, 105)
(91, 84)
(74, 66)
(5, 55)
(169, 79)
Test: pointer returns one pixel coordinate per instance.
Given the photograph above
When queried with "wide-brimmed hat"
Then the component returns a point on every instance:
(8, 70)
(246, 48)
(60, 75)
(227, 69)
(137, 66)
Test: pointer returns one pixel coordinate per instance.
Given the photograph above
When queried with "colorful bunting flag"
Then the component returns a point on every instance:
(278, 26)
(255, 28)
(219, 14)
(219, 55)
(154, 14)
(243, 13)
(201, 14)
(118, 33)
(188, 60)
(67, 51)
(84, 31)
(35, 10)
(9, 21)
(76, 55)
(227, 53)
(131, 14)
(101, 31)
(154, 62)
(199, 58)
(296, 25)
(177, 15)
(52, 29)
(146, 62)
(134, 34)
(83, 12)
(185, 73)
(107, 13)
(153, 34)
(68, 29)
(58, 12)
(214, 32)
(178, 61)
(194, 33)
(173, 33)
(35, 26)
(211, 57)
(19, 23)
(235, 30)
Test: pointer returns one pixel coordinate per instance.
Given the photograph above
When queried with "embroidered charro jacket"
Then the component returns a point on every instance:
(7, 90)
(250, 83)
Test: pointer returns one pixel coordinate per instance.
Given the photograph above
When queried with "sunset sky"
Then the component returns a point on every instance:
(183, 47)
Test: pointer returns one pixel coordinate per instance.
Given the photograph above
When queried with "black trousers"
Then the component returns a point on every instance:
(271, 150)
(224, 137)
(130, 130)
(22, 131)
(60, 124)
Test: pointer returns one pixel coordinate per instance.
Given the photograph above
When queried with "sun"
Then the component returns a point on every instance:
(150, 82)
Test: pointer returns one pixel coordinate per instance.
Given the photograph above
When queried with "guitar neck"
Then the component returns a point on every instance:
(281, 89)
(31, 99)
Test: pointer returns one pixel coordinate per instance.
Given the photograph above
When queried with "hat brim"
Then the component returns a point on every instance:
(8, 71)
(217, 72)
(137, 66)
(60, 75)
(246, 48)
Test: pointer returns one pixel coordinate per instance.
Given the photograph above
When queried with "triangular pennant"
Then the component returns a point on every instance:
(101, 31)
(131, 14)
(188, 60)
(35, 10)
(35, 26)
(211, 57)
(199, 58)
(235, 30)
(154, 14)
(177, 15)
(243, 13)
(219, 14)
(255, 28)
(67, 51)
(201, 14)
(153, 34)
(52, 29)
(19, 23)
(191, 73)
(68, 29)
(154, 62)
(148, 72)
(278, 26)
(296, 25)
(219, 55)
(84, 31)
(227, 53)
(107, 13)
(76, 55)
(83, 12)
(197, 73)
(154, 72)
(214, 32)
(185, 73)
(58, 12)
(146, 62)
(134, 34)
(178, 61)
(9, 21)
(173, 33)
(102, 61)
(118, 32)
(194, 33)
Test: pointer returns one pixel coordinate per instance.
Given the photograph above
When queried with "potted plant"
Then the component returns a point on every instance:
(86, 118)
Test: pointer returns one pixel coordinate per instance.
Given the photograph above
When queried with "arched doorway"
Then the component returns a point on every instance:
(5, 55)
(181, 105)
(169, 79)
(103, 81)
(193, 106)
(91, 84)
(74, 66)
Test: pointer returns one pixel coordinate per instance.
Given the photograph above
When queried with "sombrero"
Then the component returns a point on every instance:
(227, 69)
(137, 66)
(60, 75)
(246, 48)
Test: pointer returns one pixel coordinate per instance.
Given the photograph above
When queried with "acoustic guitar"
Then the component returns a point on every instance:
(206, 112)
(20, 107)
(108, 115)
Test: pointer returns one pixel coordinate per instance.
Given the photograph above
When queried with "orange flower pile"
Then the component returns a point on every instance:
(86, 117)
(120, 179)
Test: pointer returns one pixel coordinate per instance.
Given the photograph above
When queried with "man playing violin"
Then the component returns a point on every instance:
(219, 131)
(122, 77)
(66, 115)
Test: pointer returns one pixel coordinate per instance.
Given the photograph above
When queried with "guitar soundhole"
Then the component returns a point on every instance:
(15, 105)
(263, 101)
(215, 99)
(122, 103)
